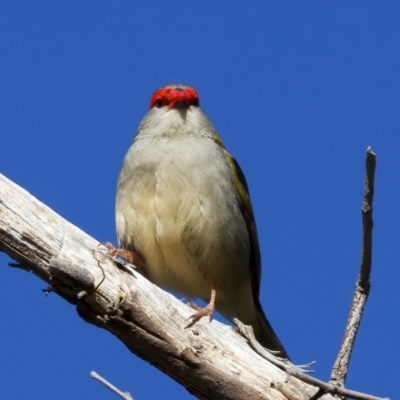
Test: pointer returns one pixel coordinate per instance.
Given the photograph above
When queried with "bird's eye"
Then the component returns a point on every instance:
(158, 103)
(195, 102)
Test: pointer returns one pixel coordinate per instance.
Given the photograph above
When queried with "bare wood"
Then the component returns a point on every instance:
(210, 360)
(124, 395)
(361, 291)
(299, 371)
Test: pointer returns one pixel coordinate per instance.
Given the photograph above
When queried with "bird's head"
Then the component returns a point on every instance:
(176, 96)
(175, 111)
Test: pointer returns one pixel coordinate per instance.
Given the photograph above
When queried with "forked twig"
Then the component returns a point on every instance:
(299, 371)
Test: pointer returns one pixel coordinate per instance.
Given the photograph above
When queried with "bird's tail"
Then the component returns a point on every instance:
(265, 334)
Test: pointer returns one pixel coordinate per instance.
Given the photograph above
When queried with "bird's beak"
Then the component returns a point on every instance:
(178, 98)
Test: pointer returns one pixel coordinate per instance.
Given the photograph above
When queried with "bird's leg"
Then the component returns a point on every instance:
(203, 312)
(131, 256)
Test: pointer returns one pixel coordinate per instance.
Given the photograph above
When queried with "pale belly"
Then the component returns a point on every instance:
(185, 221)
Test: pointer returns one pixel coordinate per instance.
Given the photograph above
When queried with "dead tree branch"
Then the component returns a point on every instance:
(361, 291)
(210, 360)
(123, 395)
(247, 332)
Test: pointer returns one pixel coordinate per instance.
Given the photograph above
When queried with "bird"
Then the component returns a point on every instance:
(183, 213)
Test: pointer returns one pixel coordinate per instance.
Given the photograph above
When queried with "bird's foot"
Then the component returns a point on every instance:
(131, 256)
(201, 312)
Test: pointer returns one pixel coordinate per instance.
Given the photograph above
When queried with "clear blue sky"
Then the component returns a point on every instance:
(297, 90)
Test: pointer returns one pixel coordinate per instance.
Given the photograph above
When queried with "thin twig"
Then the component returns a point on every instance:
(361, 291)
(298, 371)
(124, 395)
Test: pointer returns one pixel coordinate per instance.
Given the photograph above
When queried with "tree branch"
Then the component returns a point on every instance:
(361, 291)
(124, 395)
(299, 371)
(210, 360)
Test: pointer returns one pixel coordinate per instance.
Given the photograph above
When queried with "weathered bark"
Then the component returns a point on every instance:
(211, 360)
(363, 285)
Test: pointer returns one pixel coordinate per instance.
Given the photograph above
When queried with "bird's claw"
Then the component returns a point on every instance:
(201, 312)
(112, 250)
(131, 256)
